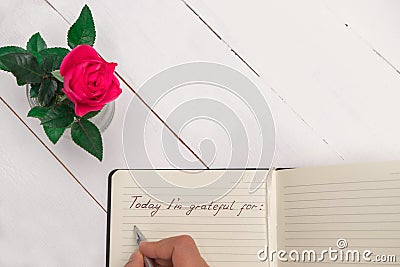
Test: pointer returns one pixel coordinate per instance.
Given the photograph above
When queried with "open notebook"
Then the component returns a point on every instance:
(352, 209)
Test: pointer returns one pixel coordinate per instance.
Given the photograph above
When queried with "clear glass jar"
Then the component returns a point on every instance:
(101, 120)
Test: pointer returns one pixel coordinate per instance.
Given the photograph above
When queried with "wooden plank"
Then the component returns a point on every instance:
(48, 219)
(162, 33)
(91, 173)
(145, 37)
(158, 34)
(374, 22)
(324, 72)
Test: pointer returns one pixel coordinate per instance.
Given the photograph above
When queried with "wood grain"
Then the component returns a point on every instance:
(174, 34)
(332, 88)
(333, 63)
(47, 219)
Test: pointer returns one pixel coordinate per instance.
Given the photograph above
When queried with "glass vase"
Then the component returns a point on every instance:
(102, 120)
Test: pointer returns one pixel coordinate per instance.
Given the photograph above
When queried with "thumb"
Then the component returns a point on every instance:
(136, 260)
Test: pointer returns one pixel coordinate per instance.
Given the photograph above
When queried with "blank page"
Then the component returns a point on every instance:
(228, 237)
(359, 204)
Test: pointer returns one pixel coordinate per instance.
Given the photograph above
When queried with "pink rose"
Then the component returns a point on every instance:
(89, 81)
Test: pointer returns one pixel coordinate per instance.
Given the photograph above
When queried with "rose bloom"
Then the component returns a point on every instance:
(89, 81)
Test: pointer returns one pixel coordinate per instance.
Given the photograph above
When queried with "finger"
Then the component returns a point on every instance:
(180, 250)
(135, 260)
(163, 263)
(164, 248)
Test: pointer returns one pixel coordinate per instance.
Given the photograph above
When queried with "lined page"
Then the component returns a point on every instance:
(359, 204)
(231, 236)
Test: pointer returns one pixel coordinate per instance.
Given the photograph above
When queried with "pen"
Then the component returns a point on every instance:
(139, 237)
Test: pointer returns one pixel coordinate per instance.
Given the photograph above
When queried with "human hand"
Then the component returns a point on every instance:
(177, 251)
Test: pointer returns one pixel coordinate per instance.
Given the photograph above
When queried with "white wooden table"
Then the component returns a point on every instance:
(329, 70)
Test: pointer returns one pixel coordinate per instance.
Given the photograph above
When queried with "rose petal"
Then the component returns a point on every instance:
(93, 67)
(89, 81)
(82, 110)
(78, 80)
(114, 91)
(67, 89)
(77, 55)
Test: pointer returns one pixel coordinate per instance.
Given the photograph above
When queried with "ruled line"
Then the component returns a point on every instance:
(334, 238)
(354, 247)
(196, 216)
(340, 198)
(342, 230)
(342, 190)
(344, 214)
(330, 222)
(199, 231)
(178, 223)
(344, 206)
(346, 182)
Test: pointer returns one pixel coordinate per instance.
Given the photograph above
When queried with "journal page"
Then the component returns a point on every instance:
(337, 215)
(228, 232)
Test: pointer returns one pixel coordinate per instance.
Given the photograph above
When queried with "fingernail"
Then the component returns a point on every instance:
(134, 254)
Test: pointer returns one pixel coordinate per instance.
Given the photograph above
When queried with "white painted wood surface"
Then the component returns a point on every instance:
(47, 220)
(332, 88)
(324, 59)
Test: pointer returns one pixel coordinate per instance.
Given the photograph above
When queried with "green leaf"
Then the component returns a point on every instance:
(69, 103)
(52, 58)
(37, 112)
(56, 74)
(82, 31)
(86, 135)
(34, 91)
(54, 134)
(59, 117)
(47, 92)
(91, 114)
(20, 83)
(60, 86)
(24, 66)
(38, 56)
(36, 43)
(8, 50)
